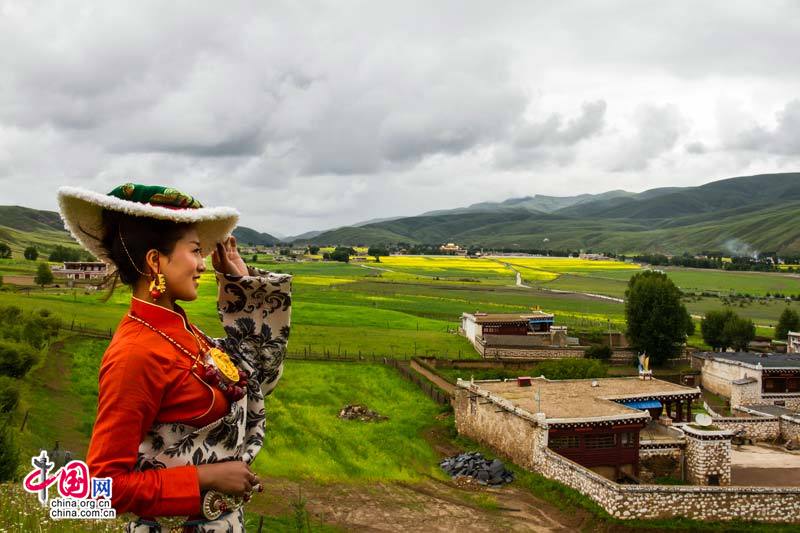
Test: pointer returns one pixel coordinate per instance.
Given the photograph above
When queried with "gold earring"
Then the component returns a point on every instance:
(158, 286)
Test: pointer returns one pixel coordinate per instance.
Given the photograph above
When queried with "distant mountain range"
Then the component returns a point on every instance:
(735, 216)
(758, 213)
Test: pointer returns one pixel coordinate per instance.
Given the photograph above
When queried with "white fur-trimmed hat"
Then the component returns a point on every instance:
(82, 212)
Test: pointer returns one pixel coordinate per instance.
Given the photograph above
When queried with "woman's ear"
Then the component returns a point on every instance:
(151, 260)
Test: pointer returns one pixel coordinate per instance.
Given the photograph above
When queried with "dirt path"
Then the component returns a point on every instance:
(435, 378)
(53, 376)
(430, 506)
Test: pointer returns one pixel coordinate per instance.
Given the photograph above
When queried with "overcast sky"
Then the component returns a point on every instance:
(309, 115)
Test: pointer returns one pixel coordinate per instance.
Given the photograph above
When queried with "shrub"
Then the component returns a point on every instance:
(44, 275)
(599, 351)
(572, 369)
(5, 251)
(10, 314)
(16, 359)
(31, 253)
(9, 394)
(9, 454)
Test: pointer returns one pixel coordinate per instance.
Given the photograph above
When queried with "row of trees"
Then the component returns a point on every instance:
(658, 322)
(725, 329)
(58, 255)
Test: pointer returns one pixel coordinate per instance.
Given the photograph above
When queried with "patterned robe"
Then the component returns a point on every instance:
(255, 311)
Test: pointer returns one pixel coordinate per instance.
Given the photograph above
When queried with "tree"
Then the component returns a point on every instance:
(313, 250)
(658, 322)
(712, 328)
(377, 251)
(340, 255)
(62, 253)
(31, 253)
(738, 332)
(788, 321)
(5, 251)
(43, 275)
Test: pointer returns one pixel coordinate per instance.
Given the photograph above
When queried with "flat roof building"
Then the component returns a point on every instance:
(751, 378)
(594, 422)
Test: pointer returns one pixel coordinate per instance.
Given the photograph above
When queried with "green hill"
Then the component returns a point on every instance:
(21, 227)
(245, 235)
(759, 211)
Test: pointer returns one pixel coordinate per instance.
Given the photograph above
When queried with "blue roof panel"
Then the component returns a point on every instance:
(641, 404)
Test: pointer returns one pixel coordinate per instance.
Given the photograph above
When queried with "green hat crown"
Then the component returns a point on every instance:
(155, 195)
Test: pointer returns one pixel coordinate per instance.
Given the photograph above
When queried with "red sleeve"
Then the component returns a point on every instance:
(132, 383)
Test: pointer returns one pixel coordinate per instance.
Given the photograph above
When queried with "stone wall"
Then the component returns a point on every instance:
(744, 393)
(755, 428)
(717, 376)
(541, 353)
(766, 504)
(523, 438)
(496, 425)
(546, 353)
(708, 457)
(659, 462)
(790, 427)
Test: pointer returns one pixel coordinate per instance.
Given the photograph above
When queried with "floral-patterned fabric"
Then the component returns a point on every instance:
(255, 311)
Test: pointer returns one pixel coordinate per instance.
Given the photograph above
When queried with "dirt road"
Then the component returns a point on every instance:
(435, 378)
(429, 506)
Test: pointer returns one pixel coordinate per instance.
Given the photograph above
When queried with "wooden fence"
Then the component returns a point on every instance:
(435, 393)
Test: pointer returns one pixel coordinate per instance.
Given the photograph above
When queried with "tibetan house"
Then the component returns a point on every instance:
(596, 423)
(82, 270)
(512, 330)
(751, 378)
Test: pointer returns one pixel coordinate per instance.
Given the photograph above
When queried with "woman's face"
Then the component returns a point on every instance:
(182, 268)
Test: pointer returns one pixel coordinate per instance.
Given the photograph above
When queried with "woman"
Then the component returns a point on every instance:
(180, 415)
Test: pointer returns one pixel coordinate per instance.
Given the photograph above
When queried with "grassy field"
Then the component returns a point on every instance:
(310, 441)
(410, 305)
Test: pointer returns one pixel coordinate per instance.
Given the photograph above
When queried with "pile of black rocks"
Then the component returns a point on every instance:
(474, 465)
(360, 412)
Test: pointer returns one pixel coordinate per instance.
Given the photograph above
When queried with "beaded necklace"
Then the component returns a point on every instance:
(222, 373)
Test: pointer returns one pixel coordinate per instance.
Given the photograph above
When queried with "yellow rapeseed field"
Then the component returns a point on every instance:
(567, 264)
(441, 264)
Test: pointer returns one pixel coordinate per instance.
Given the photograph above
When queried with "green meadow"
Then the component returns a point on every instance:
(406, 306)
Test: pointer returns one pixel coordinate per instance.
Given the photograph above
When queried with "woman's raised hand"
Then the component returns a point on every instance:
(226, 259)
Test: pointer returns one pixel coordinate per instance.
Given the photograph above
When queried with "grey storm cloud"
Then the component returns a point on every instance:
(657, 129)
(783, 139)
(696, 147)
(327, 108)
(552, 139)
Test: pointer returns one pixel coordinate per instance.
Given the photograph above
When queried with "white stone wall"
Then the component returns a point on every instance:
(510, 435)
(469, 327)
(717, 376)
(750, 397)
(705, 458)
(660, 458)
(765, 504)
(755, 428)
(525, 443)
(790, 427)
(745, 394)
